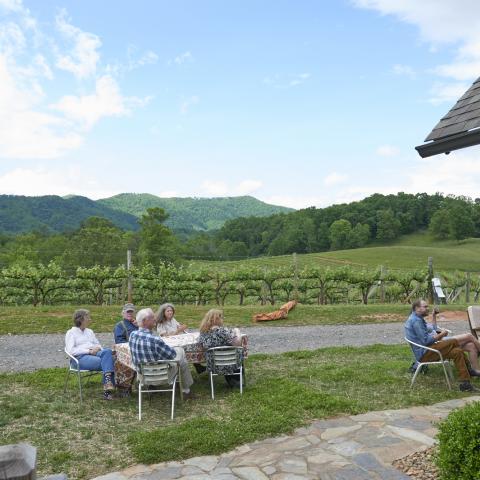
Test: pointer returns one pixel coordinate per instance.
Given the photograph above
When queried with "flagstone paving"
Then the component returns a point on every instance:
(355, 447)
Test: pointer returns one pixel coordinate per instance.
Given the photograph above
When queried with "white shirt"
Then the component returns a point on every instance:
(79, 342)
(168, 327)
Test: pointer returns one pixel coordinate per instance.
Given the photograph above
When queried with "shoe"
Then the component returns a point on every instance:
(107, 396)
(109, 386)
(199, 368)
(189, 396)
(466, 386)
(473, 372)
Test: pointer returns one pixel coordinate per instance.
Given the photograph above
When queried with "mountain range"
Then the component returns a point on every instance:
(20, 214)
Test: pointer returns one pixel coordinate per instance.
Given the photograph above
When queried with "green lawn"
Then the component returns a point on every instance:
(283, 392)
(58, 319)
(410, 252)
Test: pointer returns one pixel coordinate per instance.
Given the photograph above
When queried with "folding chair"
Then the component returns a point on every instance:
(225, 357)
(155, 374)
(474, 319)
(441, 362)
(74, 367)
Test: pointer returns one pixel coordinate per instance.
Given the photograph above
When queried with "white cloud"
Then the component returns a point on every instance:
(298, 201)
(440, 23)
(404, 70)
(84, 56)
(446, 92)
(457, 173)
(88, 109)
(42, 181)
(168, 194)
(185, 57)
(286, 81)
(387, 151)
(187, 103)
(12, 39)
(247, 187)
(334, 178)
(26, 131)
(215, 188)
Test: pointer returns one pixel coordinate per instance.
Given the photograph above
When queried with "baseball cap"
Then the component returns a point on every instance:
(128, 307)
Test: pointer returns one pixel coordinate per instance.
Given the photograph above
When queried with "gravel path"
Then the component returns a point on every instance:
(30, 352)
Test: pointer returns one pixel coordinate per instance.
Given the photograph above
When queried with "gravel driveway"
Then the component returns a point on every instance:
(30, 352)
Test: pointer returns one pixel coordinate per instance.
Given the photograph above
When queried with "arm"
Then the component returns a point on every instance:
(119, 333)
(421, 332)
(164, 351)
(237, 339)
(72, 348)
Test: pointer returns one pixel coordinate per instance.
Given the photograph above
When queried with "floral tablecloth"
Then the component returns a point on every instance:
(194, 351)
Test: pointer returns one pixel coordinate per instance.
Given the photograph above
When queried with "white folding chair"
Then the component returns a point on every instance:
(74, 368)
(163, 372)
(441, 362)
(227, 356)
(474, 319)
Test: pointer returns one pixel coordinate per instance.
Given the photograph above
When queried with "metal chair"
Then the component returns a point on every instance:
(74, 367)
(441, 362)
(225, 357)
(163, 372)
(474, 319)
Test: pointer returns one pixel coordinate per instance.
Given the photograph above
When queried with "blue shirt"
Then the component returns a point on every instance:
(417, 331)
(123, 330)
(147, 348)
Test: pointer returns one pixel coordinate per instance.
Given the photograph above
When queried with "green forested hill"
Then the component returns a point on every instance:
(20, 214)
(194, 213)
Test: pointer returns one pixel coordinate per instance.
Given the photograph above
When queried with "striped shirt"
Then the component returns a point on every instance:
(147, 348)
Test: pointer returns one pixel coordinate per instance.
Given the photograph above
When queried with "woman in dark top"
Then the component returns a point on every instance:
(214, 334)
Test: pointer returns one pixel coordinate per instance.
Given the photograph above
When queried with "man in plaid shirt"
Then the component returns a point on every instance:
(147, 348)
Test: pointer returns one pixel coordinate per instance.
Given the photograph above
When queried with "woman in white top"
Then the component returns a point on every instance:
(167, 325)
(82, 343)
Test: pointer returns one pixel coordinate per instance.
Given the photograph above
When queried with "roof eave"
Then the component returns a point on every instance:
(450, 143)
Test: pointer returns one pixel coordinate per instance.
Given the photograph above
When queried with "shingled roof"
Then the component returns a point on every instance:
(459, 128)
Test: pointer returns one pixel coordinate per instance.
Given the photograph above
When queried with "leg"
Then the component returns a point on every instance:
(106, 363)
(449, 349)
(472, 351)
(467, 338)
(185, 373)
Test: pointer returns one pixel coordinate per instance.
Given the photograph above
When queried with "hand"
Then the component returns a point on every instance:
(436, 310)
(95, 350)
(181, 328)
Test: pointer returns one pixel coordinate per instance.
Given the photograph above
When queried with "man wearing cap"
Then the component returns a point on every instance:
(125, 376)
(127, 325)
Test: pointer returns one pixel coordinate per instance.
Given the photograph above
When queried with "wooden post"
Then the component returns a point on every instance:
(129, 284)
(429, 280)
(295, 277)
(383, 272)
(467, 289)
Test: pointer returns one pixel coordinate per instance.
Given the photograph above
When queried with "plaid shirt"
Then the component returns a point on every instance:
(147, 348)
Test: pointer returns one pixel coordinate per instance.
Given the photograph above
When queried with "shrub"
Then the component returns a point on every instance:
(459, 444)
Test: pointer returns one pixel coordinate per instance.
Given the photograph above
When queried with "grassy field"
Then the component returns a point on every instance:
(58, 319)
(97, 437)
(410, 252)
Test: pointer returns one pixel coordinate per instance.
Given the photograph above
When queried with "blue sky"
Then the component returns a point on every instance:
(298, 103)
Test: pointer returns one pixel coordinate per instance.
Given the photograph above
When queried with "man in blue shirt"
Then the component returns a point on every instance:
(417, 331)
(147, 348)
(127, 325)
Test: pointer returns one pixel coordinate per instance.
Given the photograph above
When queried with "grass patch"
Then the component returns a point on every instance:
(58, 319)
(283, 392)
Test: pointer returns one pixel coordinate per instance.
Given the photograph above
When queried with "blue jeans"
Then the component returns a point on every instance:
(102, 361)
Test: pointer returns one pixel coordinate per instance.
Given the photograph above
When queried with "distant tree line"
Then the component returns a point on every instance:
(378, 219)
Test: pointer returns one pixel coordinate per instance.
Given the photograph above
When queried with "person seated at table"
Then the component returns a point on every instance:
(82, 343)
(148, 348)
(124, 376)
(214, 334)
(167, 325)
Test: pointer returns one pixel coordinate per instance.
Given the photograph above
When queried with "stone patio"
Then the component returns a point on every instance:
(356, 447)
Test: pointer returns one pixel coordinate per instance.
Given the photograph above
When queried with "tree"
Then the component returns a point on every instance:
(440, 224)
(360, 235)
(461, 223)
(388, 227)
(157, 243)
(340, 232)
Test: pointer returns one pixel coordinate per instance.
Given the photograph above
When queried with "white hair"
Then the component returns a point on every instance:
(142, 315)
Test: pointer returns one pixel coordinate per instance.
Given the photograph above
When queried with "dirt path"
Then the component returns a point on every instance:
(30, 352)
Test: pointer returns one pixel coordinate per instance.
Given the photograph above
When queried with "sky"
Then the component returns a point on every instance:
(298, 103)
